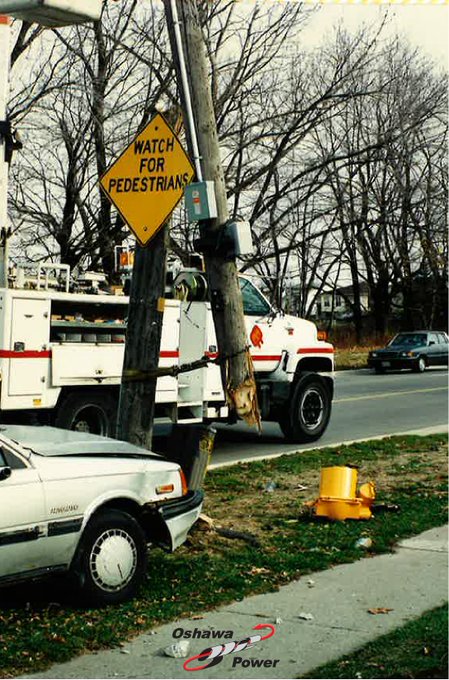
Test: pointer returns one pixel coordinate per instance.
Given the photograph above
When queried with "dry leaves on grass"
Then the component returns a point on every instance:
(259, 570)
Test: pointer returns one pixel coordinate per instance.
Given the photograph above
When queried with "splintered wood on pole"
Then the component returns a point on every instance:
(225, 296)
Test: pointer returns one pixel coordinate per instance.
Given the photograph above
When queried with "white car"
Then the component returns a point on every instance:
(88, 505)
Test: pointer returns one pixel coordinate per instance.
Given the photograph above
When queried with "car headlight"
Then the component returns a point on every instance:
(373, 354)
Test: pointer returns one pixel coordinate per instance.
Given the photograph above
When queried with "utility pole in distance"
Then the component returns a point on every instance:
(225, 296)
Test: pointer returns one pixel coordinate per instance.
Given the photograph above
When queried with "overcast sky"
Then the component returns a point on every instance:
(424, 26)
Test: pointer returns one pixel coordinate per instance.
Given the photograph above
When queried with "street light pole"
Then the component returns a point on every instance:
(4, 90)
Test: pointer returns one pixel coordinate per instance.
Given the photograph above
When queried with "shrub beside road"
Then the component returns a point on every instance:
(351, 357)
(263, 500)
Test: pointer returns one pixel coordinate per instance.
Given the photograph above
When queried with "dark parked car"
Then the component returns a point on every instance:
(415, 350)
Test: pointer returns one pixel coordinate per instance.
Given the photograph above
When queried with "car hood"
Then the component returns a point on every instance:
(75, 467)
(53, 441)
(399, 348)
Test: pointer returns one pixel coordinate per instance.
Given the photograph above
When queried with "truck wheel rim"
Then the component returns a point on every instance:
(90, 419)
(113, 560)
(312, 408)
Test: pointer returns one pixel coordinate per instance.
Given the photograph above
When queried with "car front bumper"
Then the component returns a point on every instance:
(180, 514)
(392, 362)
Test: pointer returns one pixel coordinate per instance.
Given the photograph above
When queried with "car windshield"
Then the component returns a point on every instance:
(409, 339)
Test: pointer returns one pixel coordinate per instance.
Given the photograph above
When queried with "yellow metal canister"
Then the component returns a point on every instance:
(338, 500)
(338, 482)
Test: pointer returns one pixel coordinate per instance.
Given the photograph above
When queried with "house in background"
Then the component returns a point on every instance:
(338, 302)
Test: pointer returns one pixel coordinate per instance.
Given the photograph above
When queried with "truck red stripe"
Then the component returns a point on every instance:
(254, 357)
(26, 354)
(46, 354)
(266, 357)
(315, 350)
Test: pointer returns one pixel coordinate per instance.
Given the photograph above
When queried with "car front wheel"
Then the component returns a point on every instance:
(111, 560)
(420, 365)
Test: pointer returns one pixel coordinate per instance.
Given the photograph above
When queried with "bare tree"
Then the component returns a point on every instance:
(88, 115)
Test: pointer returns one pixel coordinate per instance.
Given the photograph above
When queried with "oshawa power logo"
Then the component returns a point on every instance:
(214, 655)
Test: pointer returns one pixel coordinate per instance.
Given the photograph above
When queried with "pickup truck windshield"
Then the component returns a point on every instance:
(253, 302)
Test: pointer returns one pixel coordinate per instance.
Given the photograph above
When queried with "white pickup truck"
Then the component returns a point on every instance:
(61, 357)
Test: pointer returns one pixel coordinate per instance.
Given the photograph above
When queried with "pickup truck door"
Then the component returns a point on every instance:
(22, 515)
(265, 328)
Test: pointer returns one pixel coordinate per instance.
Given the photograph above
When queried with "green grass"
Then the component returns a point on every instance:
(417, 650)
(42, 623)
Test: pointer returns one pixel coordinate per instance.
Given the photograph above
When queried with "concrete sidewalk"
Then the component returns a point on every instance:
(410, 581)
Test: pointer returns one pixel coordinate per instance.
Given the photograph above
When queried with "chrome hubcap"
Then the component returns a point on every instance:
(312, 408)
(90, 419)
(113, 560)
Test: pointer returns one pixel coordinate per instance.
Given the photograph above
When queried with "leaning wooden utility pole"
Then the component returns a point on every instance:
(193, 81)
(143, 340)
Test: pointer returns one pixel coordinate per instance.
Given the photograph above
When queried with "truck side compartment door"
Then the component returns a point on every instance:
(29, 355)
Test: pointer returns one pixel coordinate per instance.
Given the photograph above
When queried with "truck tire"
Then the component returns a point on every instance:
(111, 561)
(88, 412)
(308, 411)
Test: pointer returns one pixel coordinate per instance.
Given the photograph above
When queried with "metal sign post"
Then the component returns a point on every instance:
(4, 70)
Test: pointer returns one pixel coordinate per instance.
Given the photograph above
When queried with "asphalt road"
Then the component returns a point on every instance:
(365, 405)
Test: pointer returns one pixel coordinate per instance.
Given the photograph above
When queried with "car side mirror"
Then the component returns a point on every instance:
(431, 342)
(5, 472)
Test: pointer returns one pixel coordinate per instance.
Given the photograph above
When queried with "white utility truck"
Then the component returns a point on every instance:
(61, 357)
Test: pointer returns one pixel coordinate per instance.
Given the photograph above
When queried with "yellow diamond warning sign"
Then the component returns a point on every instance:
(147, 181)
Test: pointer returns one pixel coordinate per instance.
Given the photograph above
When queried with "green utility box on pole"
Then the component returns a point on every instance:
(200, 201)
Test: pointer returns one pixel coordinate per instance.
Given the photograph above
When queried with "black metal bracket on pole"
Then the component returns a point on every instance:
(218, 243)
(9, 136)
(5, 234)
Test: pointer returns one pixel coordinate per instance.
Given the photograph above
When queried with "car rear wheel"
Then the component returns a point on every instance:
(111, 559)
(420, 365)
(307, 414)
